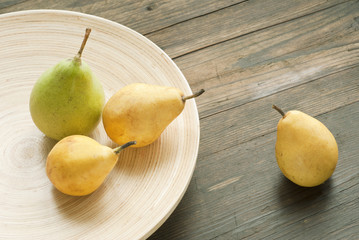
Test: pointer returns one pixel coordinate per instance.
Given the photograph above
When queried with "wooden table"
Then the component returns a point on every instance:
(248, 55)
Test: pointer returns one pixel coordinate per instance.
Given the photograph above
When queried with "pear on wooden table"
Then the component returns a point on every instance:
(142, 111)
(306, 151)
(67, 99)
(78, 165)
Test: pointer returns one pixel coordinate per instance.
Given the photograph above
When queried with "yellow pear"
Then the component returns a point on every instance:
(306, 150)
(77, 165)
(142, 111)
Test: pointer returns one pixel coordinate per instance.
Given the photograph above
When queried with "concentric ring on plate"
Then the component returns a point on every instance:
(146, 184)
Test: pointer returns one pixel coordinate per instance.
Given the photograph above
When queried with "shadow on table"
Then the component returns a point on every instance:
(303, 201)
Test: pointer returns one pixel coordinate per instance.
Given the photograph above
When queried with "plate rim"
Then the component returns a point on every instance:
(152, 228)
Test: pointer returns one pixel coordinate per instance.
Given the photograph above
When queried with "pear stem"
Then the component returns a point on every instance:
(79, 53)
(196, 94)
(120, 148)
(279, 110)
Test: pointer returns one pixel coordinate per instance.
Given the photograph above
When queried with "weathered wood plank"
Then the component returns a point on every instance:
(277, 58)
(262, 203)
(166, 22)
(232, 22)
(143, 16)
(317, 212)
(255, 119)
(224, 193)
(8, 3)
(297, 54)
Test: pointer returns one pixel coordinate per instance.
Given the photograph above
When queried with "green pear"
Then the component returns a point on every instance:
(77, 165)
(306, 150)
(142, 111)
(67, 99)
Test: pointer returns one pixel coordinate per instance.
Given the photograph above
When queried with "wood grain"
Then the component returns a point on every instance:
(143, 16)
(232, 22)
(134, 201)
(262, 203)
(265, 62)
(311, 64)
(248, 55)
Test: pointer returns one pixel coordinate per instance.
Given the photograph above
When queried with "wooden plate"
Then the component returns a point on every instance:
(147, 183)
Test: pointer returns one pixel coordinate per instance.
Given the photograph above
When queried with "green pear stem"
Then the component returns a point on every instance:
(120, 148)
(196, 94)
(279, 110)
(79, 53)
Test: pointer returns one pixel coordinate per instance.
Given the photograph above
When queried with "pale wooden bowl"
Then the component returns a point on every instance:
(146, 184)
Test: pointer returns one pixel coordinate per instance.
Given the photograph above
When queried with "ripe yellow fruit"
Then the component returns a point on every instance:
(306, 150)
(141, 112)
(77, 165)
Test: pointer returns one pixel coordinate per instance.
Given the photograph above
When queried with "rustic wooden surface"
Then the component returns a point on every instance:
(249, 54)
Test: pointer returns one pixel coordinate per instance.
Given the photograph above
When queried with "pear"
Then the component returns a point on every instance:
(77, 165)
(67, 99)
(306, 151)
(142, 111)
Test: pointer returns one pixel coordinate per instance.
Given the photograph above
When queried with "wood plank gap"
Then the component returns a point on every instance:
(292, 223)
(254, 31)
(10, 3)
(177, 23)
(315, 79)
(323, 113)
(222, 234)
(343, 229)
(273, 131)
(345, 189)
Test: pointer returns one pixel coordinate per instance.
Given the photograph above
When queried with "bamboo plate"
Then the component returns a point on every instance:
(146, 184)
